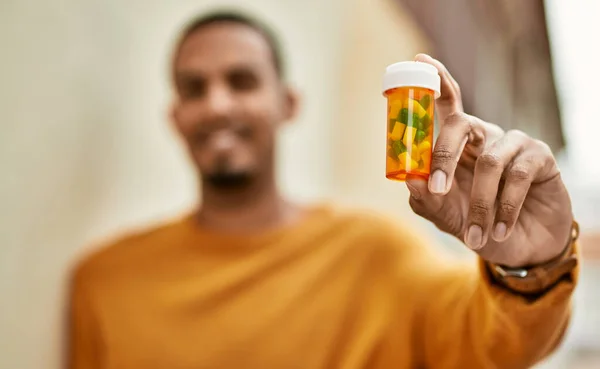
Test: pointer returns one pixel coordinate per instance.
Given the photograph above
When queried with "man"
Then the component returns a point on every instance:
(253, 280)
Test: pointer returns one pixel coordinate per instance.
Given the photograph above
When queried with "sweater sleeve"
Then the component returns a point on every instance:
(467, 320)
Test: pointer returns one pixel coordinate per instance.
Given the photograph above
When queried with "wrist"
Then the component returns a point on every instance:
(561, 248)
(541, 277)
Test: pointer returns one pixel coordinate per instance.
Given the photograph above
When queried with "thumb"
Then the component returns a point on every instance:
(423, 202)
(417, 187)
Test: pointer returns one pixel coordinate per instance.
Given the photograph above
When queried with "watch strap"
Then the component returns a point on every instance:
(542, 277)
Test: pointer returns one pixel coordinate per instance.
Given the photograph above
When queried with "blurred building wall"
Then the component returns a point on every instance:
(499, 52)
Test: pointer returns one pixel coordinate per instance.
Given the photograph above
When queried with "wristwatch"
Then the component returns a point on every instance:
(539, 278)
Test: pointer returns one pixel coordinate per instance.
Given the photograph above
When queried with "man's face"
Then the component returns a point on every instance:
(230, 102)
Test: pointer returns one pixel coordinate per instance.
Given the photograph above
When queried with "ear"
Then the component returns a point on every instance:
(292, 103)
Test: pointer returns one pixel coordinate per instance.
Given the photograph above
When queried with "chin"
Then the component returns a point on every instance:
(227, 172)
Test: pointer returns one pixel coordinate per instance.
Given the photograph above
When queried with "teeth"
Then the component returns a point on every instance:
(223, 140)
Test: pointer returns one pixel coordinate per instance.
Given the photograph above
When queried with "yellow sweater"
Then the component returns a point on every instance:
(338, 290)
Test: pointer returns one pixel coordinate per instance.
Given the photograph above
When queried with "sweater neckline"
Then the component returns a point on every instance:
(312, 213)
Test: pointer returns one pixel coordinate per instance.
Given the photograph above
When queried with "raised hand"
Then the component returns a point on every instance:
(500, 192)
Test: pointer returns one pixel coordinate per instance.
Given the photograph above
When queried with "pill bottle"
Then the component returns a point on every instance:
(411, 89)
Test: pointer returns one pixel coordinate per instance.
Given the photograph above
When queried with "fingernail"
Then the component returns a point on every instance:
(474, 237)
(413, 191)
(438, 181)
(500, 231)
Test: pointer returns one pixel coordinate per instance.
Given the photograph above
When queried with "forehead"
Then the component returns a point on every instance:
(222, 45)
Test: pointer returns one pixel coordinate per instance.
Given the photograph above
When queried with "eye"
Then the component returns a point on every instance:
(243, 80)
(245, 131)
(192, 88)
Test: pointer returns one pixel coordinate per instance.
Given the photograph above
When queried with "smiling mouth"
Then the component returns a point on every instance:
(239, 130)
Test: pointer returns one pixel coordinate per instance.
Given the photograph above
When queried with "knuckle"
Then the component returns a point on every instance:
(442, 156)
(507, 209)
(517, 133)
(544, 157)
(529, 161)
(518, 173)
(489, 162)
(480, 210)
(544, 148)
(494, 131)
(457, 119)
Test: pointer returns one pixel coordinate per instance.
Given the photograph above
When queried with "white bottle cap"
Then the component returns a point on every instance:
(412, 74)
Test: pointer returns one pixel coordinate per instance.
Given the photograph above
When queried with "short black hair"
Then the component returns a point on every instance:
(239, 18)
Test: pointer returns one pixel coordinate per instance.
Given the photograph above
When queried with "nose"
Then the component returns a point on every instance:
(219, 102)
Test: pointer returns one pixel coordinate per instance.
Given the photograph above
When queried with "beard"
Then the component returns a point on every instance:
(225, 178)
(229, 181)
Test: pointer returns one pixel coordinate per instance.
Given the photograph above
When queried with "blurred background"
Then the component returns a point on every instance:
(87, 151)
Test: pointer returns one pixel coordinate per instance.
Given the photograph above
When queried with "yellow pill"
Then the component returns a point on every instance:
(409, 136)
(416, 108)
(413, 165)
(403, 158)
(415, 154)
(398, 131)
(424, 146)
(391, 164)
(395, 107)
(406, 162)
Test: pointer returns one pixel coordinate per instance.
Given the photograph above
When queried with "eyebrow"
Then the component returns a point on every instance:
(186, 75)
(190, 73)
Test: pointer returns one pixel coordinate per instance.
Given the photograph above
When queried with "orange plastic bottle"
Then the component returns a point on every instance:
(411, 89)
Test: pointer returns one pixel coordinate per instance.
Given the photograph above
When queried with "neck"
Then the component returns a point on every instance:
(258, 207)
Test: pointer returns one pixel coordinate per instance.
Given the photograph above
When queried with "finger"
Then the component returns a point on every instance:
(421, 200)
(533, 164)
(450, 100)
(487, 175)
(449, 146)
